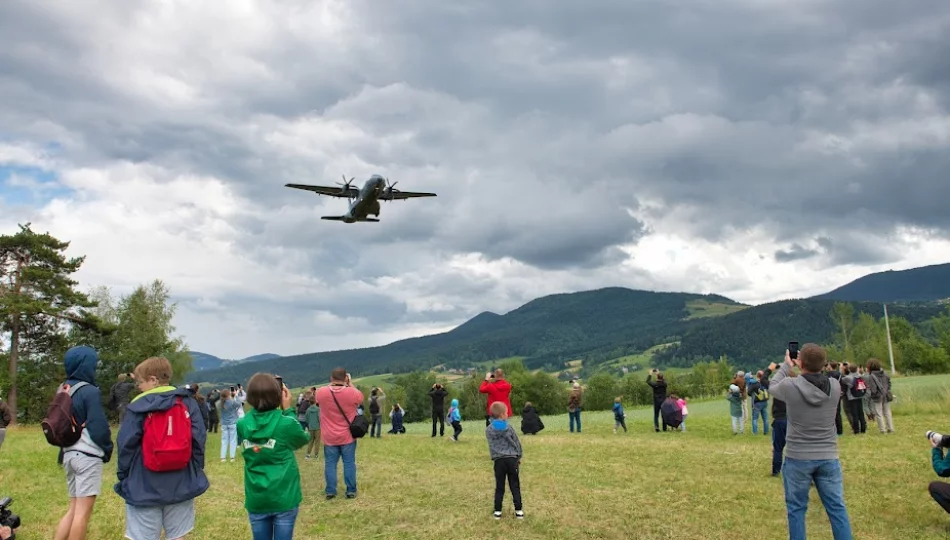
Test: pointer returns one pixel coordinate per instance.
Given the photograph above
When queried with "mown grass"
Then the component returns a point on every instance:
(702, 484)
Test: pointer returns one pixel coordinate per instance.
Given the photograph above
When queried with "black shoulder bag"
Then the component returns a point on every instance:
(358, 426)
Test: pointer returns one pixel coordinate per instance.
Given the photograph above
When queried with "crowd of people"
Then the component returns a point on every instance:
(160, 470)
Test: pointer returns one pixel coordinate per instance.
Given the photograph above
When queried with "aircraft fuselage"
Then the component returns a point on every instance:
(367, 202)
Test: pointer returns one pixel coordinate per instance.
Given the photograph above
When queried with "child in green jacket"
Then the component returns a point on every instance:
(735, 409)
(269, 434)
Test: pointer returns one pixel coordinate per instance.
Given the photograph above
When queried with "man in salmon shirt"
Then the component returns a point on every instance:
(337, 440)
(498, 389)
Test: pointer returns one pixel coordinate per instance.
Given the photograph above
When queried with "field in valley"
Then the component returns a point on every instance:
(702, 484)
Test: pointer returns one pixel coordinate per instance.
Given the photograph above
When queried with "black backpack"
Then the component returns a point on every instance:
(858, 388)
(374, 405)
(359, 426)
(59, 426)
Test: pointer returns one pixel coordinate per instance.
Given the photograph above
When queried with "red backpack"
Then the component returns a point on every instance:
(59, 426)
(166, 438)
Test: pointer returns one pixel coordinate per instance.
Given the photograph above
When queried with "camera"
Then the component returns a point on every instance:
(8, 518)
(943, 441)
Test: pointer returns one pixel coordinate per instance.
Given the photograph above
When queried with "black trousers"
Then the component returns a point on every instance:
(457, 427)
(487, 420)
(213, 425)
(838, 427)
(940, 491)
(860, 424)
(656, 416)
(438, 416)
(507, 468)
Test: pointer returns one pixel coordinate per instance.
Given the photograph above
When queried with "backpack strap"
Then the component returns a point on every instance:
(77, 386)
(333, 395)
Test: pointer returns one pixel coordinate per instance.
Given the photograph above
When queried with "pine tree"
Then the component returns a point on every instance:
(37, 295)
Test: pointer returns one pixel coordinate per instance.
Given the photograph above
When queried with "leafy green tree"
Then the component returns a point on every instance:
(842, 313)
(37, 298)
(600, 392)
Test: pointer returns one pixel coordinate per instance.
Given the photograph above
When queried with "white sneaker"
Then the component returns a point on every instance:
(223, 460)
(497, 515)
(519, 514)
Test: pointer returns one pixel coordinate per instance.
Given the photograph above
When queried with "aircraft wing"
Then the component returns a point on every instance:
(327, 190)
(402, 195)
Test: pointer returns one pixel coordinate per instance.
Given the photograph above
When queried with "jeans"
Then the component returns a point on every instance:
(376, 428)
(277, 526)
(575, 417)
(760, 409)
(738, 424)
(779, 428)
(507, 468)
(683, 423)
(331, 455)
(798, 476)
(228, 440)
(438, 416)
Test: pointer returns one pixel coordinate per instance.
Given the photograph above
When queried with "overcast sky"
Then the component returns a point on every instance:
(757, 149)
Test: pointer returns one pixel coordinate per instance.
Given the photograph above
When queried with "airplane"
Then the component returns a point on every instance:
(363, 202)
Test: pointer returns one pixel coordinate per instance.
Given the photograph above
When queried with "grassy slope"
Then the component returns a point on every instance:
(703, 308)
(595, 485)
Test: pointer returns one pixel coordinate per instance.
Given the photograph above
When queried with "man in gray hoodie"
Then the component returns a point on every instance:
(811, 453)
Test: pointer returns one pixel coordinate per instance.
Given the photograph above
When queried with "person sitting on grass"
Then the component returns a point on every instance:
(531, 422)
(269, 435)
(940, 491)
(505, 451)
(396, 415)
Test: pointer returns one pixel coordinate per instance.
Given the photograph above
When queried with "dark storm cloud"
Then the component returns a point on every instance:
(794, 253)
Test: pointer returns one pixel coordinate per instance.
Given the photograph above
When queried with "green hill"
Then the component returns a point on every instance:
(596, 325)
(924, 284)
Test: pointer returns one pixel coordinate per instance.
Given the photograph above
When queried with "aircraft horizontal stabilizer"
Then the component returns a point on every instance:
(334, 218)
(348, 220)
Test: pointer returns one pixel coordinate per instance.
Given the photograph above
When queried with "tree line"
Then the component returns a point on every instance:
(43, 313)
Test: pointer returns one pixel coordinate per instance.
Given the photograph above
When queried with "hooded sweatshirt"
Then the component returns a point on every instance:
(140, 486)
(502, 440)
(271, 477)
(96, 438)
(659, 389)
(454, 414)
(530, 421)
(879, 384)
(811, 401)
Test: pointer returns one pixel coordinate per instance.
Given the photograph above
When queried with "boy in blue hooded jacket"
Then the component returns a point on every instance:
(455, 419)
(83, 461)
(158, 500)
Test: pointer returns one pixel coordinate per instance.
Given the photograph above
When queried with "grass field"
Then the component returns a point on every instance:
(702, 484)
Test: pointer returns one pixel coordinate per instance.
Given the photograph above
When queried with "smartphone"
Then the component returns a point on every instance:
(793, 349)
(280, 380)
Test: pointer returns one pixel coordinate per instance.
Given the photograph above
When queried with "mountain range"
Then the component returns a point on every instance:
(604, 324)
(203, 361)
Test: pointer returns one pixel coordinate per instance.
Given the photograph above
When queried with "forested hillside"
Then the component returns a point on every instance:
(547, 332)
(758, 335)
(927, 283)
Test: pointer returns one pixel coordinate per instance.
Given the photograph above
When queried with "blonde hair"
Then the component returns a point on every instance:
(157, 367)
(499, 410)
(617, 400)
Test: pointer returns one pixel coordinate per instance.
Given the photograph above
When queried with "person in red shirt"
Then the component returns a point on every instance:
(335, 417)
(498, 389)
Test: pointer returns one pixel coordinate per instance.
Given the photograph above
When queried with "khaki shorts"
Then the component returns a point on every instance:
(83, 474)
(147, 522)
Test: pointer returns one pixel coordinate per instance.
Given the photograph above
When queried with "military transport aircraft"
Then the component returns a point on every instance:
(363, 202)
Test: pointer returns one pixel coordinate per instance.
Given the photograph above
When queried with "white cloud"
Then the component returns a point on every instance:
(570, 150)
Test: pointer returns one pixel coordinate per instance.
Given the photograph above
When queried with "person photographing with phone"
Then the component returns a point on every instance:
(811, 453)
(498, 389)
(269, 434)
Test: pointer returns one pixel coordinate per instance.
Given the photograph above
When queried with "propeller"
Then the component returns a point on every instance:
(345, 186)
(390, 188)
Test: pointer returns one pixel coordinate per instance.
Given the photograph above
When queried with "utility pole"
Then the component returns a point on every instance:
(890, 348)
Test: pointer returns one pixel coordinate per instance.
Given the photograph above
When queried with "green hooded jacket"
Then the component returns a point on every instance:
(271, 477)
